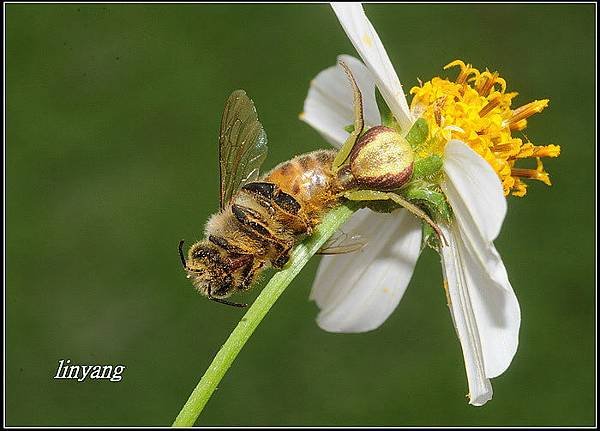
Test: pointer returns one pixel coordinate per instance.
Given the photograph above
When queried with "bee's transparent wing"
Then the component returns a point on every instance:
(343, 242)
(242, 144)
(357, 292)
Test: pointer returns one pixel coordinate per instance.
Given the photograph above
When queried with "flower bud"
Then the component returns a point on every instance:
(381, 159)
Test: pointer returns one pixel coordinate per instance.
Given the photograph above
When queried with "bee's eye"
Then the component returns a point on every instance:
(205, 253)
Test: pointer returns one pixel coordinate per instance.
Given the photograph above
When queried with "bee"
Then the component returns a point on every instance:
(261, 218)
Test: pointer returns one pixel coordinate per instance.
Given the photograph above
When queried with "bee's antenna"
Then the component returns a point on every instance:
(181, 256)
(224, 301)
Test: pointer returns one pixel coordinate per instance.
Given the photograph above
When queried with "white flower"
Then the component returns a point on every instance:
(357, 292)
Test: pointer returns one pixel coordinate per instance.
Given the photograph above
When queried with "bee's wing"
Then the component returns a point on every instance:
(342, 242)
(357, 292)
(242, 145)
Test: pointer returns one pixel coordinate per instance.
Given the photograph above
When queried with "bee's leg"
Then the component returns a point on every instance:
(263, 189)
(250, 273)
(286, 202)
(374, 195)
(291, 213)
(224, 301)
(253, 221)
(225, 245)
(272, 198)
(237, 261)
(262, 193)
(283, 256)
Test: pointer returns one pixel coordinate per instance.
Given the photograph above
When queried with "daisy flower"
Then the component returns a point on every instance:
(470, 127)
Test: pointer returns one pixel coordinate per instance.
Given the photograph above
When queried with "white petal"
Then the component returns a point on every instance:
(357, 292)
(475, 194)
(367, 43)
(463, 316)
(496, 311)
(473, 189)
(328, 106)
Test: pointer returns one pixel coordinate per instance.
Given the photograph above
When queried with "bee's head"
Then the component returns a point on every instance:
(207, 268)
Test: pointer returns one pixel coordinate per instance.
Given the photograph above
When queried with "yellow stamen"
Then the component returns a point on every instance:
(475, 108)
(465, 70)
(528, 110)
(486, 82)
(439, 105)
(518, 126)
(528, 150)
(487, 108)
(534, 174)
(519, 188)
(502, 148)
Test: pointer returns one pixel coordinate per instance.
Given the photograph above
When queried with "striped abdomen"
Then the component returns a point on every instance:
(262, 223)
(309, 180)
(266, 217)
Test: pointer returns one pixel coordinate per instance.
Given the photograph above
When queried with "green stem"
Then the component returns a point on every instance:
(263, 303)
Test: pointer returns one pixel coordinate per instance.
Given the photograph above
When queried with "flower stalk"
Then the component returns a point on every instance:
(331, 222)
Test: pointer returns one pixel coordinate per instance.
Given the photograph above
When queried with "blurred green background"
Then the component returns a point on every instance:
(112, 114)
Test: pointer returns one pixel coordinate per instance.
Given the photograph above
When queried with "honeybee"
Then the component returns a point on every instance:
(261, 218)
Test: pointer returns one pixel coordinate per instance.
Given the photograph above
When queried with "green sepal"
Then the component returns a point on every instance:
(370, 199)
(387, 118)
(380, 206)
(427, 167)
(432, 199)
(417, 134)
(428, 238)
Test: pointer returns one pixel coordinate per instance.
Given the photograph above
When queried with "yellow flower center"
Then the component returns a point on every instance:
(475, 108)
